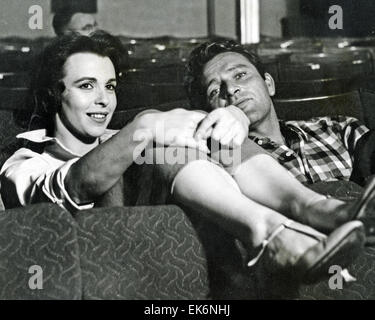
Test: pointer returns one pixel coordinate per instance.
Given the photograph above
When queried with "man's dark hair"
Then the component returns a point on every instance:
(61, 20)
(47, 86)
(204, 53)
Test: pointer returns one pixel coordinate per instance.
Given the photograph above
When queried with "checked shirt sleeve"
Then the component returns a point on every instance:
(351, 131)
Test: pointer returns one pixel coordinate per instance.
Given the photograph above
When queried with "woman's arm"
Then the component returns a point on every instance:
(97, 171)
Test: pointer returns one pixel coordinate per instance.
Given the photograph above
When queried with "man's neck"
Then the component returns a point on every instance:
(269, 128)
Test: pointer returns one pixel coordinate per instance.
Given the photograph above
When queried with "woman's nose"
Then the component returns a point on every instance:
(102, 97)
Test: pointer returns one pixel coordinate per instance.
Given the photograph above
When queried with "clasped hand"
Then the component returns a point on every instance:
(186, 128)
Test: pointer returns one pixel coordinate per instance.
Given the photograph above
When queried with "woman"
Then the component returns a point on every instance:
(79, 160)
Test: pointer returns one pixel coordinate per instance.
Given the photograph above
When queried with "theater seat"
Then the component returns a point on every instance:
(316, 88)
(141, 253)
(136, 95)
(104, 253)
(305, 108)
(154, 74)
(40, 235)
(14, 79)
(333, 63)
(292, 45)
(12, 98)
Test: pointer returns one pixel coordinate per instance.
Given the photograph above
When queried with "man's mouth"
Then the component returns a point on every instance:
(242, 103)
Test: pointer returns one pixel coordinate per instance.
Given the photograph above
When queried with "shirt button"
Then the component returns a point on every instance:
(266, 140)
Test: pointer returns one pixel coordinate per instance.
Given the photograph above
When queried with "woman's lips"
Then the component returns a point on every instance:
(98, 116)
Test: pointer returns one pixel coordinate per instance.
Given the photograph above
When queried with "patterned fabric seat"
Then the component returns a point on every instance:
(104, 253)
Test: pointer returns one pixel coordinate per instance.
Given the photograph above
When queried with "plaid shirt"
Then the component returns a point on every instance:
(320, 149)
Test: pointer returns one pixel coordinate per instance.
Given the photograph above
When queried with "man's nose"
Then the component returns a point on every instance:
(231, 89)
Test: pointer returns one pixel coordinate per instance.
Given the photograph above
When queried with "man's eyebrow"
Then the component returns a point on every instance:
(89, 25)
(112, 80)
(237, 66)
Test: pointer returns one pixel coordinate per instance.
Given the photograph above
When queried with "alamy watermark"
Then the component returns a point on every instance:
(36, 19)
(36, 280)
(177, 148)
(336, 21)
(340, 275)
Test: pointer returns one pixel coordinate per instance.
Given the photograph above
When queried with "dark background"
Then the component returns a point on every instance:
(89, 6)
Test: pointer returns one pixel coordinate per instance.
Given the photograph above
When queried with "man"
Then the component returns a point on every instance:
(225, 74)
(69, 21)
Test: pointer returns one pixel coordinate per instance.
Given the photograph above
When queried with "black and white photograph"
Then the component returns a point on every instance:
(187, 153)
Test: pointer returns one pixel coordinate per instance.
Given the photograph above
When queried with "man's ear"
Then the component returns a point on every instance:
(270, 83)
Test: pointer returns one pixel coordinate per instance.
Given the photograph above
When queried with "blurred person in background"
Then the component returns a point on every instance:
(68, 21)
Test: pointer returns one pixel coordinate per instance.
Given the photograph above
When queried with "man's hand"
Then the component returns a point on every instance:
(229, 126)
(177, 128)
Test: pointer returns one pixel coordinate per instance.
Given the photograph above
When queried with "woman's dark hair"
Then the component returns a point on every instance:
(200, 56)
(46, 87)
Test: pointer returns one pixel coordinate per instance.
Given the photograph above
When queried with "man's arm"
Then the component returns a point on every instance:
(360, 143)
(229, 126)
(364, 158)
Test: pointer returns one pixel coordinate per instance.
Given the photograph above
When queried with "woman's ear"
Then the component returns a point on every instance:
(270, 83)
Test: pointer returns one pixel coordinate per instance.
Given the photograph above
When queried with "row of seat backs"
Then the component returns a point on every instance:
(105, 253)
(136, 94)
(358, 104)
(286, 59)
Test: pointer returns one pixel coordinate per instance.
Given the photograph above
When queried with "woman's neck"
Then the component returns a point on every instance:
(70, 141)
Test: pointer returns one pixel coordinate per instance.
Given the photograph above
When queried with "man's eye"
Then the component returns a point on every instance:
(88, 27)
(86, 86)
(239, 75)
(213, 93)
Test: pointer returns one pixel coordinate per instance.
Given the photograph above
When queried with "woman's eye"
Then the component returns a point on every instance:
(86, 86)
(111, 87)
